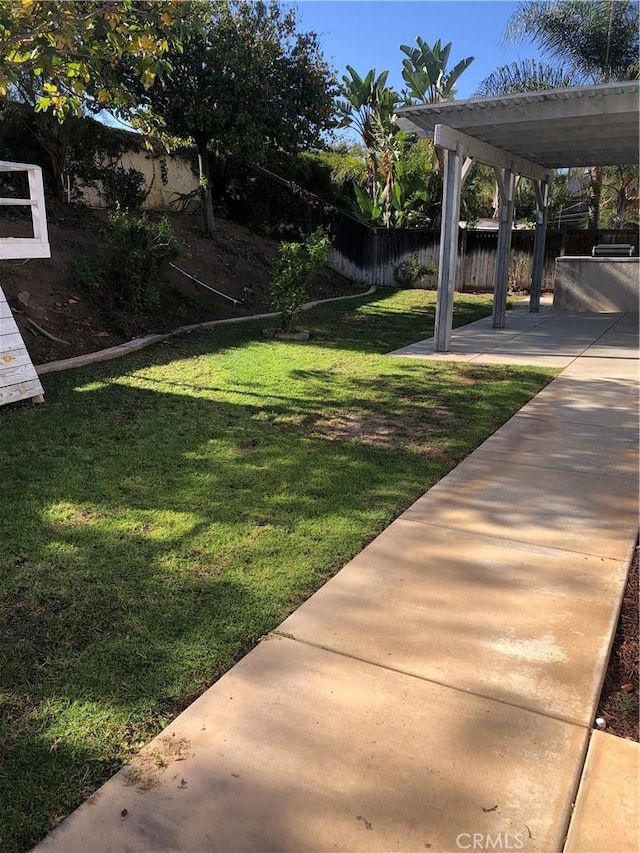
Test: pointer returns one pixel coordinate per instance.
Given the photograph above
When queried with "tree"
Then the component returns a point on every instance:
(247, 84)
(368, 105)
(596, 39)
(425, 73)
(428, 81)
(291, 271)
(54, 135)
(620, 186)
(392, 196)
(527, 75)
(76, 48)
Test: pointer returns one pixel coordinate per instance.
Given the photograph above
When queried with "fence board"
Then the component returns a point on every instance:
(370, 255)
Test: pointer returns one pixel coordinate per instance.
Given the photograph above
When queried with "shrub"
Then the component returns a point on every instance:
(412, 272)
(135, 256)
(519, 274)
(123, 188)
(291, 271)
(81, 272)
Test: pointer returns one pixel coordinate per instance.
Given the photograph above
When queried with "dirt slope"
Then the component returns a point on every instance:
(77, 315)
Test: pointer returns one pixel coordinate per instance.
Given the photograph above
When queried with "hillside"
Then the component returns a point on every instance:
(46, 292)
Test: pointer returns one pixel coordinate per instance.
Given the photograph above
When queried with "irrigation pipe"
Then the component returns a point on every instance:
(208, 286)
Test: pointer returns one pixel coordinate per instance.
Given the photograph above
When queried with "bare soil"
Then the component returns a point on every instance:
(79, 317)
(619, 704)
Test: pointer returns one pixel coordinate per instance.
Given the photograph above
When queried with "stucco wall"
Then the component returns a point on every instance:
(596, 284)
(180, 180)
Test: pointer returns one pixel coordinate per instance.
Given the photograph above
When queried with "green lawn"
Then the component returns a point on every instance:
(162, 512)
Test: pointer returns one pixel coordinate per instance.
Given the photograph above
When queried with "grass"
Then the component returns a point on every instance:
(162, 512)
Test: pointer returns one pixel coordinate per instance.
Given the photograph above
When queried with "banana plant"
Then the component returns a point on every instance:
(369, 206)
(425, 72)
(367, 104)
(407, 202)
(410, 200)
(361, 98)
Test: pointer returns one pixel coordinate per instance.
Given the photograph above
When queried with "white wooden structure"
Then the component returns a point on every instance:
(528, 134)
(18, 377)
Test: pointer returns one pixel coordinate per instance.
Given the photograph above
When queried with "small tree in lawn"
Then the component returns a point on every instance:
(249, 84)
(292, 269)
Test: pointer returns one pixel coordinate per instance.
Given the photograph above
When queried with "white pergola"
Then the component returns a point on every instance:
(528, 134)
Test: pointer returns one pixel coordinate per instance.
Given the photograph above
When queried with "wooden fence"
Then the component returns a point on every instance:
(371, 255)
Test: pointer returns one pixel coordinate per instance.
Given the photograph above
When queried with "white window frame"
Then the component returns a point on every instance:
(38, 245)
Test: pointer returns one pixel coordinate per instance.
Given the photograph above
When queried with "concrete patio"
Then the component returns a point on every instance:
(439, 692)
(547, 339)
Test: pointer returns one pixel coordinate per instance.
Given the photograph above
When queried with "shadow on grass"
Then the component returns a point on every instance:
(150, 539)
(377, 325)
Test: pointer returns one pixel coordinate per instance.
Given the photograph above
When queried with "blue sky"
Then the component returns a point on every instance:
(368, 34)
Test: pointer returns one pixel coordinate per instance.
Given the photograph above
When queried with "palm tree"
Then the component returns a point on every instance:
(596, 40)
(527, 75)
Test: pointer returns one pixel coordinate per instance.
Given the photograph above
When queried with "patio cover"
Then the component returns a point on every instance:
(529, 134)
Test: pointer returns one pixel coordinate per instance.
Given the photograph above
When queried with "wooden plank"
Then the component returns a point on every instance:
(536, 107)
(10, 166)
(14, 248)
(466, 168)
(487, 256)
(555, 144)
(22, 391)
(8, 326)
(14, 358)
(38, 213)
(448, 250)
(504, 251)
(562, 130)
(5, 310)
(502, 187)
(537, 272)
(10, 342)
(17, 202)
(17, 375)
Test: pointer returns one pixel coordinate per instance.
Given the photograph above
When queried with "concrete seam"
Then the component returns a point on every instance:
(593, 343)
(516, 544)
(495, 456)
(557, 718)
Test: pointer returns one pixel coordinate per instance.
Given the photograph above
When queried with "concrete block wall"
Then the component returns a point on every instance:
(596, 284)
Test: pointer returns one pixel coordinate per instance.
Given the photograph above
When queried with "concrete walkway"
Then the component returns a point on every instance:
(439, 692)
